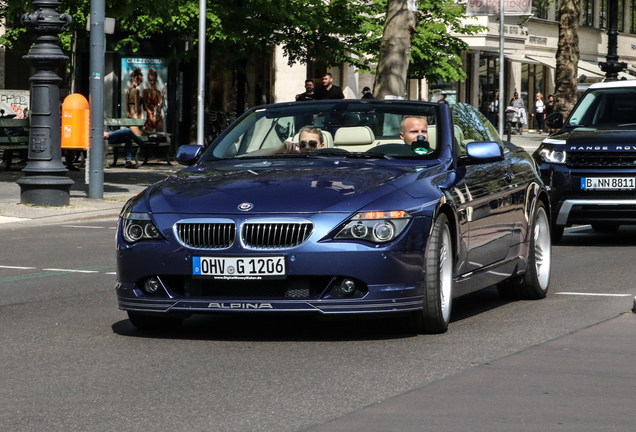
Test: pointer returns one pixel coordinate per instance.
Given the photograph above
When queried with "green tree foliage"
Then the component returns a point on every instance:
(435, 46)
(332, 32)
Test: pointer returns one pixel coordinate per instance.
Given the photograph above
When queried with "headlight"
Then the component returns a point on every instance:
(376, 227)
(553, 156)
(138, 226)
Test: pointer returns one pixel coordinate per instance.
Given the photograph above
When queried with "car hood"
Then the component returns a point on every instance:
(277, 186)
(581, 139)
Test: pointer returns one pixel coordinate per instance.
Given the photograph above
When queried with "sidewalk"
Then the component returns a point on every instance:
(119, 185)
(530, 140)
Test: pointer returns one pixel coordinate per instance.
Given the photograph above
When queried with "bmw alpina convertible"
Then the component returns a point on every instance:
(337, 208)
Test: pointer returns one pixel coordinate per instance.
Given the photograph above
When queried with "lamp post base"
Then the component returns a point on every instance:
(45, 190)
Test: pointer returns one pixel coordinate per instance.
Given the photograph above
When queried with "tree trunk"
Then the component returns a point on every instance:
(393, 64)
(567, 56)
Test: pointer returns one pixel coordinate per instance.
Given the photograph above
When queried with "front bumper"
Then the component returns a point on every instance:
(572, 205)
(388, 278)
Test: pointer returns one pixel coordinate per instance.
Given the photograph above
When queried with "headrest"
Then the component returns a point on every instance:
(356, 135)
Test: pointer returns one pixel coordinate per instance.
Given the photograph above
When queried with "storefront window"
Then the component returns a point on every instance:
(587, 13)
(533, 81)
(450, 91)
(488, 82)
(540, 8)
(604, 15)
(526, 75)
(539, 82)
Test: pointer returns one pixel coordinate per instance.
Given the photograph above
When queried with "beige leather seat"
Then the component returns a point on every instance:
(432, 136)
(354, 139)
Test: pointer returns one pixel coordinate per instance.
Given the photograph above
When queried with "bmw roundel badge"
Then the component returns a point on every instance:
(246, 207)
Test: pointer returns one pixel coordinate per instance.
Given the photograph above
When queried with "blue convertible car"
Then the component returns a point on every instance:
(337, 208)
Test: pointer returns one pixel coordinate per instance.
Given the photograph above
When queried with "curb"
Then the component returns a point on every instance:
(12, 222)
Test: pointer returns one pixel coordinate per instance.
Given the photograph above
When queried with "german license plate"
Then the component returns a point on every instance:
(247, 268)
(608, 183)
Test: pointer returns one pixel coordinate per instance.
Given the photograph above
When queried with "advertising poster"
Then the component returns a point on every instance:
(143, 92)
(16, 100)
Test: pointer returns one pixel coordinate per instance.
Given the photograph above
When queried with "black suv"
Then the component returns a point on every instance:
(590, 163)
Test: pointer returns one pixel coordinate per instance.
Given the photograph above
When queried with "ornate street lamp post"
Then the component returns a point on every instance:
(45, 181)
(612, 66)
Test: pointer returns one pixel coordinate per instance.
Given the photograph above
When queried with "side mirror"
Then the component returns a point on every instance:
(189, 154)
(483, 152)
(555, 121)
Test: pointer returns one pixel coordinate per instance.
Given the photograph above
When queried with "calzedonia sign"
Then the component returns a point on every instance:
(491, 7)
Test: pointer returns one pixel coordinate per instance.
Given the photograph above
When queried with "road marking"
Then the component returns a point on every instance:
(70, 270)
(84, 226)
(18, 267)
(29, 276)
(52, 272)
(8, 219)
(595, 294)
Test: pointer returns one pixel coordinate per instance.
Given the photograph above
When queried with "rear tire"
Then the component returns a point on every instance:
(154, 322)
(438, 296)
(605, 227)
(533, 285)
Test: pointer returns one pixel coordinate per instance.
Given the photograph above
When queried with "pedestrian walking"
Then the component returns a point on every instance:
(517, 102)
(538, 111)
(366, 93)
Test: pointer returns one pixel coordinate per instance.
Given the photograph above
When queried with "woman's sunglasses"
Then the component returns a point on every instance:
(311, 143)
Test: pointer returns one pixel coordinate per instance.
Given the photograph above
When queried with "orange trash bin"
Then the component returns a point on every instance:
(75, 122)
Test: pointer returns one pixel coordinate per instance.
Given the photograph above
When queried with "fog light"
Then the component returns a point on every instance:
(152, 285)
(347, 287)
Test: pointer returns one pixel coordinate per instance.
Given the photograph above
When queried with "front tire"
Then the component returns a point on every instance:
(438, 296)
(533, 285)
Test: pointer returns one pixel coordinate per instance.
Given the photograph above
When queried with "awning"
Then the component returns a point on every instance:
(594, 68)
(548, 61)
(520, 59)
(589, 71)
(511, 57)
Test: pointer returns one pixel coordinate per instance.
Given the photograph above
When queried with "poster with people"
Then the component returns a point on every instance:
(143, 92)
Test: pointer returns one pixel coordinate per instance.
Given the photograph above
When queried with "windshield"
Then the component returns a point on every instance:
(606, 107)
(334, 128)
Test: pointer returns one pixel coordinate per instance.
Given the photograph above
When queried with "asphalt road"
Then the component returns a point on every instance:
(71, 361)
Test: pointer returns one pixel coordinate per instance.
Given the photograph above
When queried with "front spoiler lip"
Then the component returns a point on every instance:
(340, 306)
(566, 207)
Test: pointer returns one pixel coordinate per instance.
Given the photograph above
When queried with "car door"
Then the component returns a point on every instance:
(487, 208)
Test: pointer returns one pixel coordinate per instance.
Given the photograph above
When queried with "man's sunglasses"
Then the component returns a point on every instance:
(311, 143)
